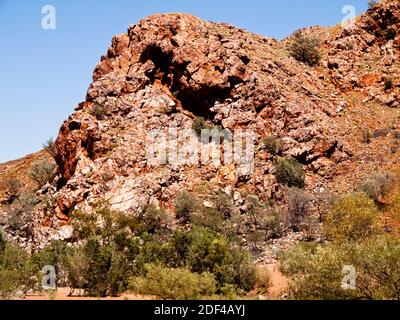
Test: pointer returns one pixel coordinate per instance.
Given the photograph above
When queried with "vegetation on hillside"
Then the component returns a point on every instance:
(360, 258)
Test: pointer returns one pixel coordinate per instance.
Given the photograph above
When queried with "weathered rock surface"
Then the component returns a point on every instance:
(167, 70)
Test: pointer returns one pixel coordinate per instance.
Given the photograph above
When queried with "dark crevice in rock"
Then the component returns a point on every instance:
(198, 100)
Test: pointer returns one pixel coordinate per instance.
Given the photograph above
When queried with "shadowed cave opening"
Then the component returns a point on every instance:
(197, 101)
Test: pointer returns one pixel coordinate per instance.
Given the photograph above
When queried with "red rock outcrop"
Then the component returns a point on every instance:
(169, 69)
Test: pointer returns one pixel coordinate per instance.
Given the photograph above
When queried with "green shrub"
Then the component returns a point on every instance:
(263, 279)
(388, 83)
(13, 189)
(221, 217)
(315, 272)
(104, 223)
(377, 186)
(20, 214)
(224, 205)
(213, 253)
(75, 264)
(152, 219)
(305, 49)
(298, 206)
(2, 243)
(289, 172)
(199, 123)
(366, 136)
(17, 273)
(50, 147)
(41, 172)
(272, 145)
(185, 205)
(209, 218)
(176, 284)
(109, 254)
(99, 111)
(54, 255)
(353, 217)
(264, 219)
(372, 3)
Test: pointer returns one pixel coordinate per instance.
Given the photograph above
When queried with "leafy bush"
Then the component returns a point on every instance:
(99, 111)
(272, 145)
(305, 49)
(54, 255)
(377, 186)
(2, 243)
(17, 273)
(262, 218)
(213, 253)
(388, 83)
(352, 217)
(298, 206)
(75, 264)
(366, 136)
(176, 284)
(185, 205)
(199, 123)
(263, 279)
(209, 218)
(152, 219)
(221, 217)
(289, 172)
(13, 189)
(50, 147)
(372, 3)
(20, 215)
(41, 172)
(107, 258)
(316, 271)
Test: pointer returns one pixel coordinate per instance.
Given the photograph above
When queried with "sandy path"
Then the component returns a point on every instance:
(279, 283)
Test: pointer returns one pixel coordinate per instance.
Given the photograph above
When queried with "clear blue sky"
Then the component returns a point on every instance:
(45, 73)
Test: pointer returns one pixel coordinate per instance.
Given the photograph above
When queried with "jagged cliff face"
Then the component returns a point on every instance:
(170, 69)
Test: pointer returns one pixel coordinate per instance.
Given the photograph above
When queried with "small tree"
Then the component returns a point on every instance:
(263, 279)
(377, 186)
(272, 145)
(388, 83)
(199, 123)
(41, 172)
(298, 206)
(305, 49)
(353, 217)
(315, 272)
(372, 3)
(289, 172)
(185, 205)
(20, 215)
(152, 219)
(13, 189)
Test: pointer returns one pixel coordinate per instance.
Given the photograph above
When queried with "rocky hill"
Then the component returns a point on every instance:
(339, 119)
